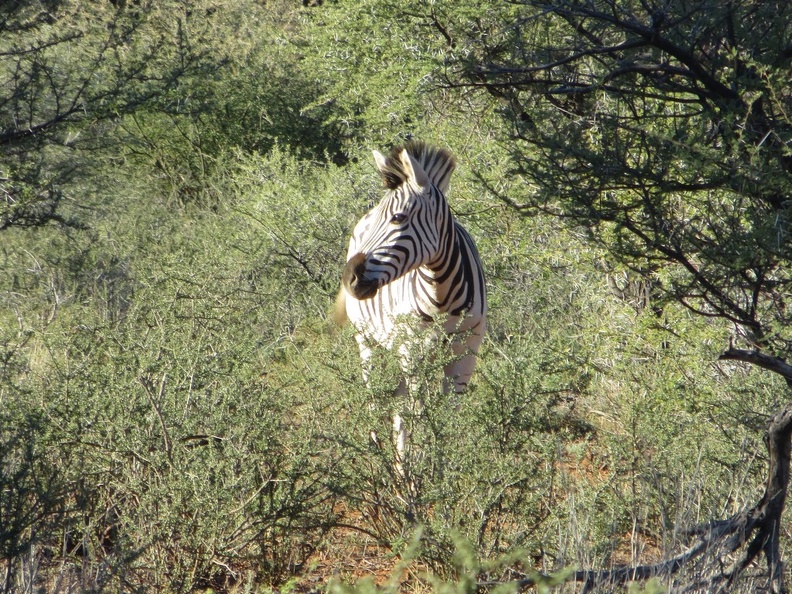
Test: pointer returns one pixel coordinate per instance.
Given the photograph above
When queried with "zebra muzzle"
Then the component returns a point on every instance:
(355, 281)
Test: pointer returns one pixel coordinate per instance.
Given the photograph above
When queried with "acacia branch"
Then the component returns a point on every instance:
(653, 37)
(759, 359)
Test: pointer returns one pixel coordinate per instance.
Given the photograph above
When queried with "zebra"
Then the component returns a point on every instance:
(409, 258)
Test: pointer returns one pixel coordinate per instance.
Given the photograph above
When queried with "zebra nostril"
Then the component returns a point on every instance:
(354, 278)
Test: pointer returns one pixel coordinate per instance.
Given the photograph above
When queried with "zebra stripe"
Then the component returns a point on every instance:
(408, 256)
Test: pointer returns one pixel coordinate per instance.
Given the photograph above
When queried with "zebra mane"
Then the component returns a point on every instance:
(436, 162)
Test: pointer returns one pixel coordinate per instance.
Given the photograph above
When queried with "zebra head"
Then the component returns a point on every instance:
(408, 229)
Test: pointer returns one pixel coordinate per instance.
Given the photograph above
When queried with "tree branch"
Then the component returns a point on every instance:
(762, 360)
(756, 529)
(652, 36)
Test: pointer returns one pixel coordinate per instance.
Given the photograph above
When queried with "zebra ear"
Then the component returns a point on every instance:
(415, 173)
(382, 164)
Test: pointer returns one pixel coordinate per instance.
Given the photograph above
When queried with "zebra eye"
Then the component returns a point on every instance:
(398, 218)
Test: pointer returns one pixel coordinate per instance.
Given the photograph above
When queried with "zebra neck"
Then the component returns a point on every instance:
(447, 273)
(448, 250)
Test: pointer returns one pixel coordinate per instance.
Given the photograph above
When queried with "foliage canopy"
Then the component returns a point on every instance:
(664, 129)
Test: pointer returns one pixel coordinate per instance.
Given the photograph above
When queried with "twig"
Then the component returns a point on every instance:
(146, 383)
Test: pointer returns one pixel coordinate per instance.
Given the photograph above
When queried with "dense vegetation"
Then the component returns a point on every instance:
(177, 183)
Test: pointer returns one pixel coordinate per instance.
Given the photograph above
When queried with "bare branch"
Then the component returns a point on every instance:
(762, 360)
(754, 530)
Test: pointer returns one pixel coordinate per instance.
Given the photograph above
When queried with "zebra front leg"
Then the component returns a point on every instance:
(400, 430)
(458, 372)
(365, 357)
(407, 489)
(399, 433)
(464, 349)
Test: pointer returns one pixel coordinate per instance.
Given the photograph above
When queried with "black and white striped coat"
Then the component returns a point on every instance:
(408, 256)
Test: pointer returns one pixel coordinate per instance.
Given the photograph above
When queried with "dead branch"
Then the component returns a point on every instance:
(759, 359)
(710, 562)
